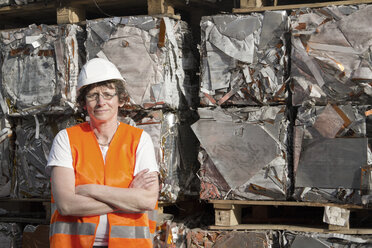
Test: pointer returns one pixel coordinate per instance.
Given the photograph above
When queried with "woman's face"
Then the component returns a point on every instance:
(102, 103)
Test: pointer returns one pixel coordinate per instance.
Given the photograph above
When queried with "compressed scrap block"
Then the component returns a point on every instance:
(330, 152)
(6, 166)
(331, 57)
(4, 3)
(34, 138)
(10, 235)
(152, 54)
(326, 240)
(244, 153)
(176, 150)
(244, 59)
(39, 68)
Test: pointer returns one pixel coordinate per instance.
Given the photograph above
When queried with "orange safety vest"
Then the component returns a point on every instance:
(125, 229)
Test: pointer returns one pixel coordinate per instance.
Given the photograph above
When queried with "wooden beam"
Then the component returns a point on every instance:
(285, 203)
(296, 228)
(159, 7)
(250, 3)
(227, 215)
(70, 14)
(298, 6)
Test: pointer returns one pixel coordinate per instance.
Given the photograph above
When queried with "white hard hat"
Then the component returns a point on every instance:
(97, 70)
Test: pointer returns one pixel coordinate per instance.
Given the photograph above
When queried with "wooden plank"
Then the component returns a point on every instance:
(228, 217)
(298, 228)
(298, 6)
(70, 14)
(250, 3)
(159, 7)
(286, 203)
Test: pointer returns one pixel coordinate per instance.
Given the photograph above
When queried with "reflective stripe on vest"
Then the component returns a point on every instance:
(130, 232)
(72, 228)
(153, 215)
(116, 171)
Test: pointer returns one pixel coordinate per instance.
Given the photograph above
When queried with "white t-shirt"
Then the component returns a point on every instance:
(60, 155)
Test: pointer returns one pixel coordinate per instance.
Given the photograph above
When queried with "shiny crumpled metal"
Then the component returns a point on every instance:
(153, 55)
(244, 59)
(10, 235)
(331, 56)
(324, 240)
(244, 153)
(330, 153)
(34, 138)
(4, 3)
(175, 150)
(39, 68)
(6, 166)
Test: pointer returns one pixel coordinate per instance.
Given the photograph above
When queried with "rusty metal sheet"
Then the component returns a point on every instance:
(330, 58)
(39, 68)
(243, 153)
(156, 74)
(244, 59)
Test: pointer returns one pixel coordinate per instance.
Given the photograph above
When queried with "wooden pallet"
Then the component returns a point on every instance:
(285, 215)
(36, 211)
(247, 6)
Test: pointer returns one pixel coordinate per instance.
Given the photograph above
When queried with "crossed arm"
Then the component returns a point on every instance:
(94, 199)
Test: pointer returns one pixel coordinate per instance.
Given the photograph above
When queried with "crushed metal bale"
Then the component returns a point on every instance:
(331, 56)
(34, 138)
(332, 153)
(153, 55)
(6, 166)
(243, 153)
(244, 59)
(10, 235)
(324, 240)
(39, 68)
(175, 149)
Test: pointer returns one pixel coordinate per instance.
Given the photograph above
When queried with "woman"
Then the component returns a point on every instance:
(104, 173)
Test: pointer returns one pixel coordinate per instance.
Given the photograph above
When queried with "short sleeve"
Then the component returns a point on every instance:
(145, 155)
(60, 153)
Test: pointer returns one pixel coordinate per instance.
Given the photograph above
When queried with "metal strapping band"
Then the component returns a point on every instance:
(130, 232)
(72, 228)
(153, 215)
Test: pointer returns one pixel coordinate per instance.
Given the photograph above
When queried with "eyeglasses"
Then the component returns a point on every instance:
(95, 96)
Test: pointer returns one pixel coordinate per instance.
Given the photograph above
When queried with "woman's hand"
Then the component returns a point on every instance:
(144, 179)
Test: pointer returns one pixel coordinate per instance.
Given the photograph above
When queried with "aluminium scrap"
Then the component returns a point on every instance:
(324, 240)
(244, 59)
(331, 57)
(34, 138)
(4, 3)
(175, 150)
(332, 153)
(153, 55)
(244, 153)
(10, 235)
(6, 166)
(39, 68)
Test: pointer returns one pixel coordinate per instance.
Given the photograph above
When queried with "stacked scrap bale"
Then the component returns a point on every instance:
(154, 56)
(39, 68)
(331, 86)
(6, 166)
(244, 149)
